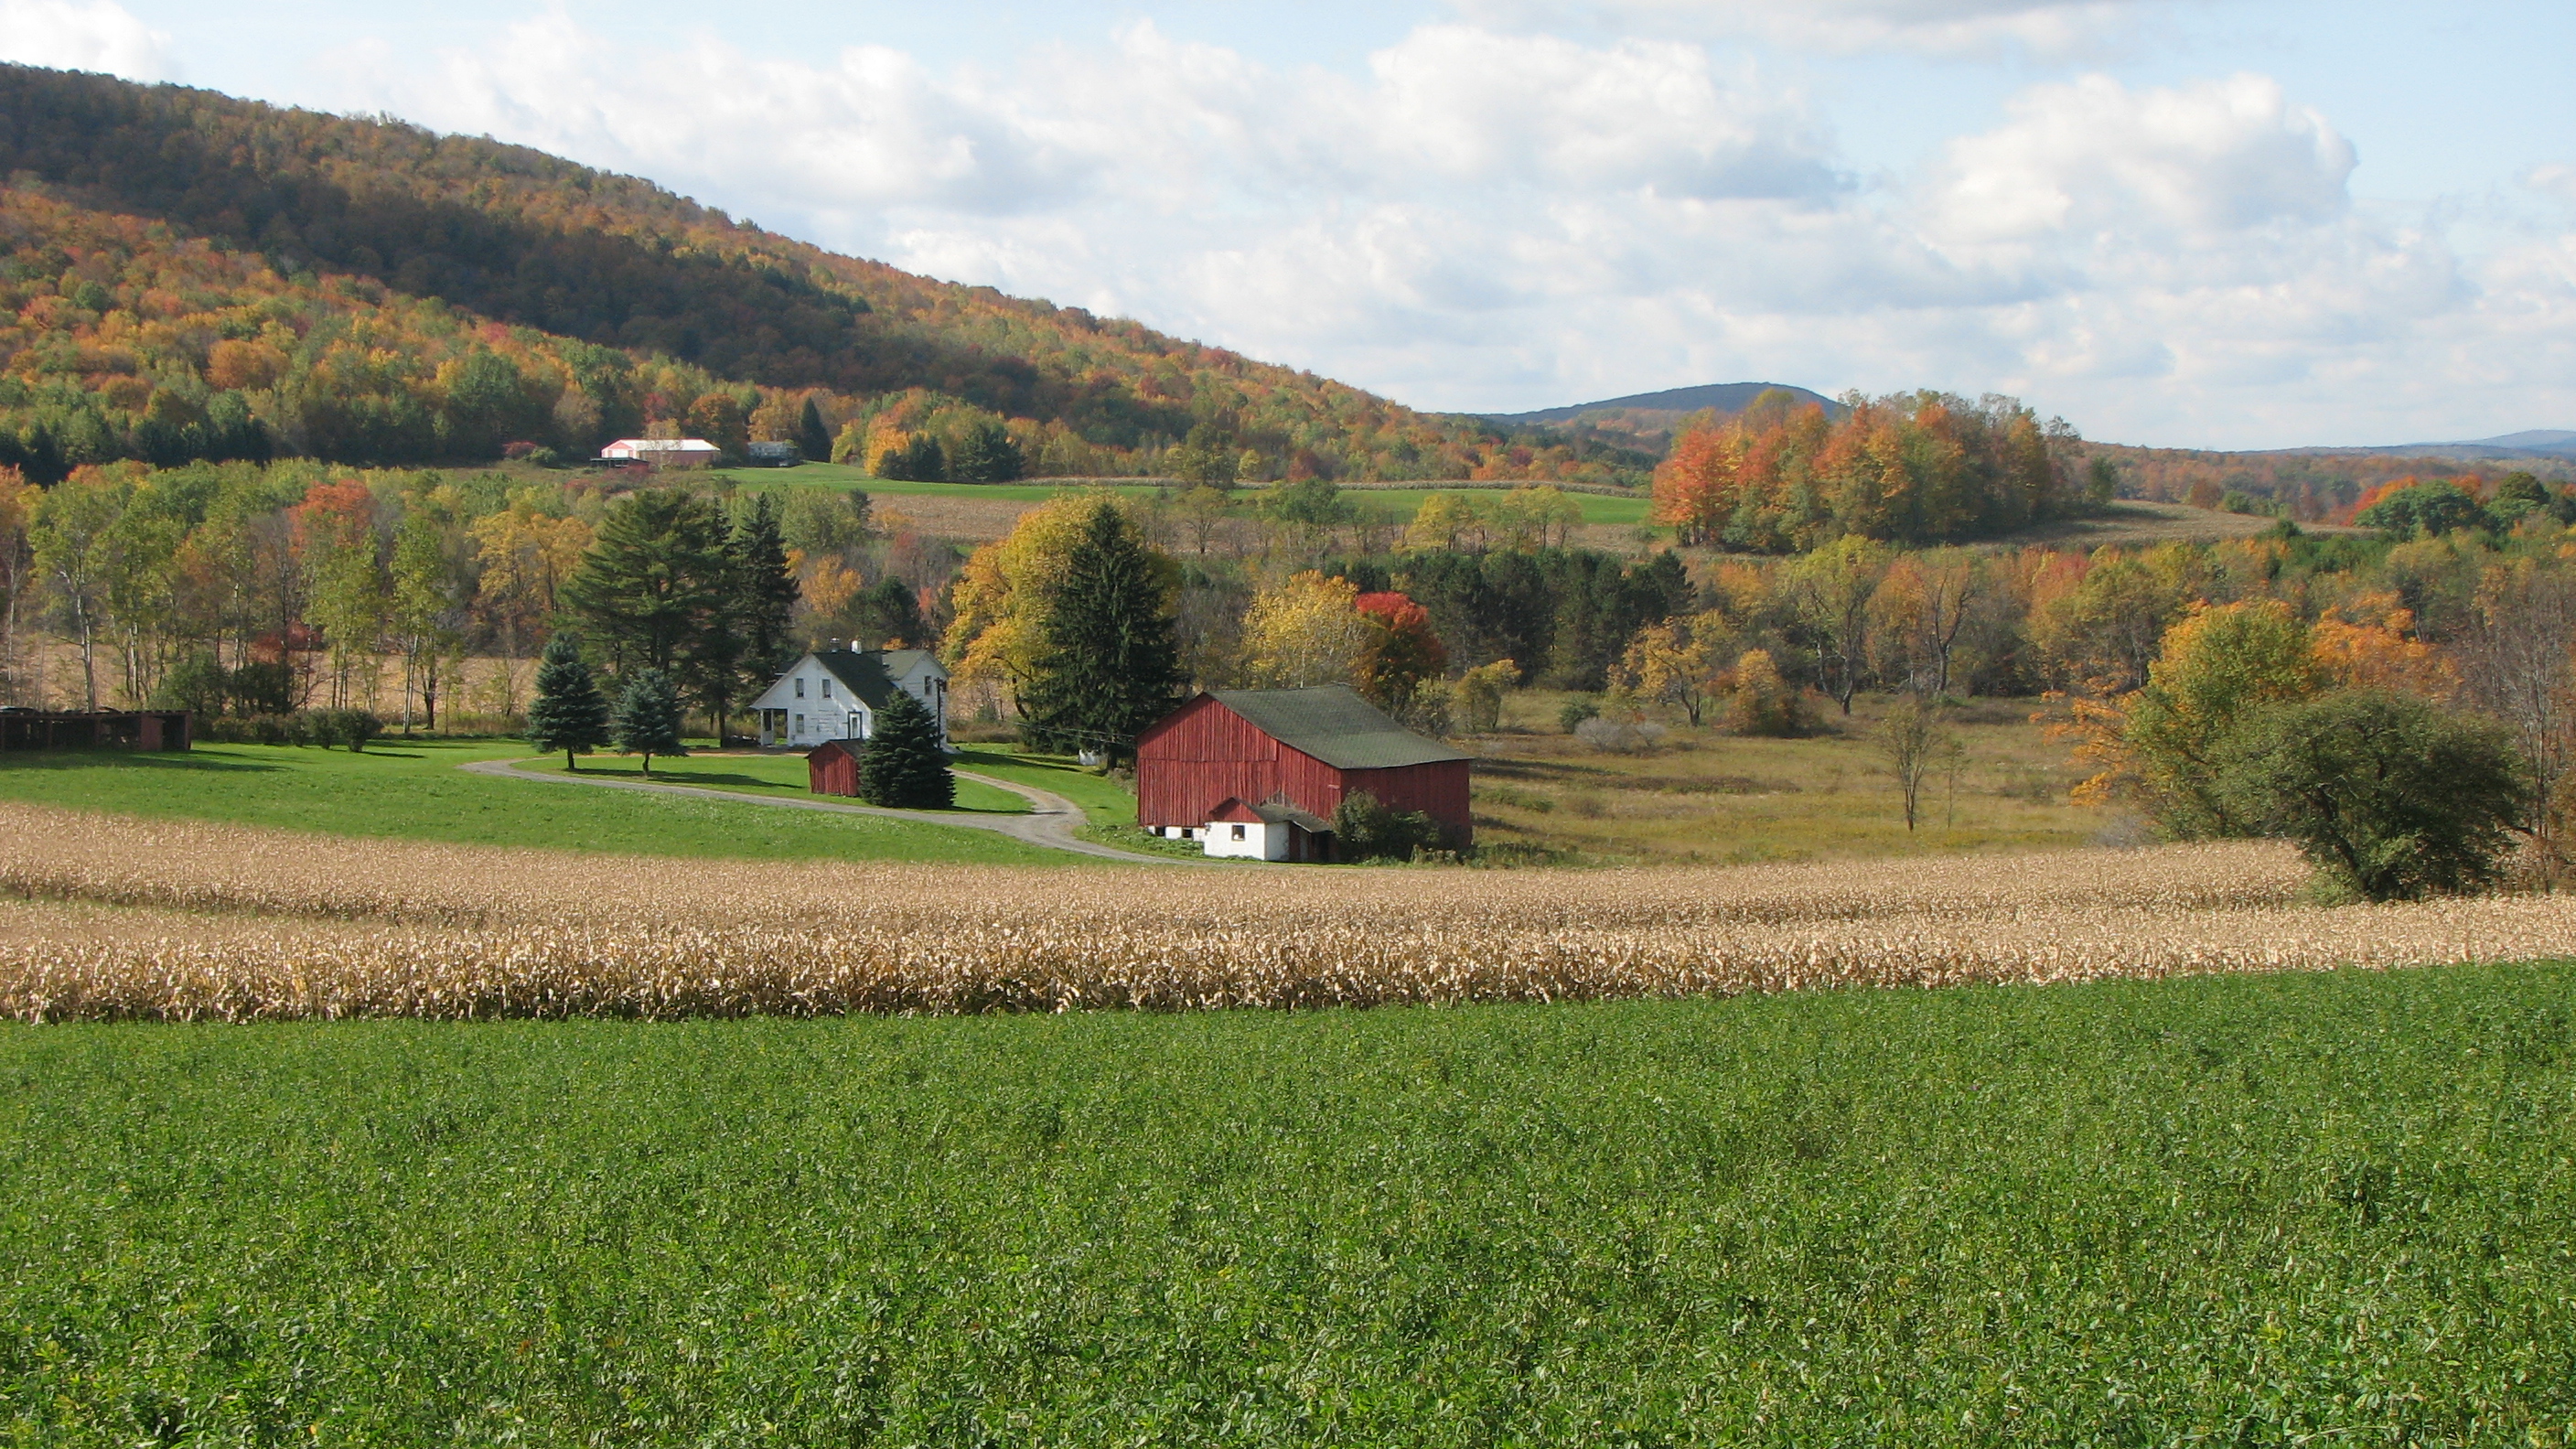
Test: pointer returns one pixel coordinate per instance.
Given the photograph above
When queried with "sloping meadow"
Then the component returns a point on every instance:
(107, 917)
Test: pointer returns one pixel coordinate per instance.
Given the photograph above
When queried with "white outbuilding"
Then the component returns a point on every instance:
(834, 694)
(1267, 831)
(663, 452)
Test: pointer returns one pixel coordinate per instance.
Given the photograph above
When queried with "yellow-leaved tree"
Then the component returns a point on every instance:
(1000, 599)
(2218, 667)
(1677, 662)
(1307, 631)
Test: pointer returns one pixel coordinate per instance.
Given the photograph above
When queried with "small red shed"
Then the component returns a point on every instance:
(832, 768)
(1300, 748)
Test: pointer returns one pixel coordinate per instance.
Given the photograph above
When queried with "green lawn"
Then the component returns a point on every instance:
(413, 790)
(1104, 801)
(1599, 508)
(2304, 1209)
(775, 776)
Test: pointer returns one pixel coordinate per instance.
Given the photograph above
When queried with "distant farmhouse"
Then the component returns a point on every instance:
(775, 455)
(662, 452)
(1258, 772)
(835, 694)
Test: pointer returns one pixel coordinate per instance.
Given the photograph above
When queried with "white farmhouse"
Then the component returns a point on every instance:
(834, 694)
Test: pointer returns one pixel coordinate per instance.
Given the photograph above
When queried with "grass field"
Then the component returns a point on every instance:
(1704, 796)
(2316, 1208)
(779, 776)
(412, 790)
(1598, 508)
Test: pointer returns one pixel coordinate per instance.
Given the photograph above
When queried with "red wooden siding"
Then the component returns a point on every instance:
(1189, 762)
(832, 770)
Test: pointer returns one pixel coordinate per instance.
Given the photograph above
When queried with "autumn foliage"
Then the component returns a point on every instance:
(1915, 468)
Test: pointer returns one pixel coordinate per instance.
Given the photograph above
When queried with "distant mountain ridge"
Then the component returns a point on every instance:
(1721, 397)
(2554, 443)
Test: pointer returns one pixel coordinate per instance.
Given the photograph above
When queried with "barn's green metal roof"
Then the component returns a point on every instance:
(1332, 723)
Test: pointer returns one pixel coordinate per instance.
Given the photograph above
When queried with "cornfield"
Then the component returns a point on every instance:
(105, 917)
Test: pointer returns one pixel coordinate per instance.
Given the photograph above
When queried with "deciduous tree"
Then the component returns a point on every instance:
(2392, 797)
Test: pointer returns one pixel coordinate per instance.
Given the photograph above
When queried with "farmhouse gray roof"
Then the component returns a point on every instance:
(1332, 723)
(869, 674)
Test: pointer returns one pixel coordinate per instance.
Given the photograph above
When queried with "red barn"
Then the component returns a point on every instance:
(1244, 755)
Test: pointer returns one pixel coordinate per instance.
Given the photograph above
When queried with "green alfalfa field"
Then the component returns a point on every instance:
(2311, 1208)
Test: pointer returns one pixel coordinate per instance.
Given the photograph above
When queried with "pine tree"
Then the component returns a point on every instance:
(1108, 664)
(652, 579)
(648, 717)
(568, 713)
(764, 593)
(892, 613)
(813, 440)
(902, 765)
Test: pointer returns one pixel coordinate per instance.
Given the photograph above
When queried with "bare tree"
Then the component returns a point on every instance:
(2518, 660)
(1915, 744)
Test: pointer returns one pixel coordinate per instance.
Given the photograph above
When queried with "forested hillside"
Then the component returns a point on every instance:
(186, 275)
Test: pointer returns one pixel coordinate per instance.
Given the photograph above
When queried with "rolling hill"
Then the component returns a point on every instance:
(185, 274)
(1723, 398)
(1647, 421)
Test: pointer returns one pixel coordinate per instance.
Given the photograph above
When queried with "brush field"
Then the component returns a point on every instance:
(2312, 1208)
(124, 918)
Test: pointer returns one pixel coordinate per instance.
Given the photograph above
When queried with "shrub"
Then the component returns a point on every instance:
(1477, 697)
(195, 683)
(2392, 797)
(323, 727)
(1365, 829)
(1578, 709)
(1763, 703)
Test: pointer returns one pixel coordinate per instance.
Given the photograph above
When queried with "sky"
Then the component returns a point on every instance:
(2188, 223)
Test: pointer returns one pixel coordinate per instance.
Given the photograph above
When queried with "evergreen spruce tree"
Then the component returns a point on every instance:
(813, 440)
(1108, 664)
(902, 764)
(764, 593)
(568, 713)
(648, 717)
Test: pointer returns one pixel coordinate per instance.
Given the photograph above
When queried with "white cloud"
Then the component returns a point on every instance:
(1481, 218)
(2555, 179)
(2214, 156)
(2054, 28)
(94, 35)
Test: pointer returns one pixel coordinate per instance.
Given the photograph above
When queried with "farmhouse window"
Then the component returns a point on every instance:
(827, 689)
(800, 724)
(800, 688)
(1238, 832)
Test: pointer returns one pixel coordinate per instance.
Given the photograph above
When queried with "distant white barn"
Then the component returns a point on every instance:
(834, 694)
(663, 452)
